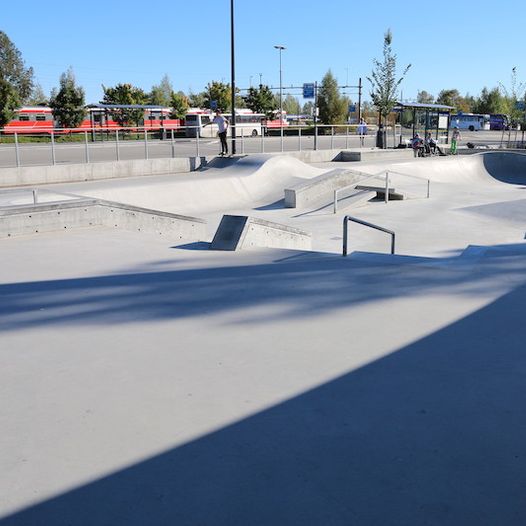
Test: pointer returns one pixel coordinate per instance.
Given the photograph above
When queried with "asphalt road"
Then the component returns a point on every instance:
(42, 154)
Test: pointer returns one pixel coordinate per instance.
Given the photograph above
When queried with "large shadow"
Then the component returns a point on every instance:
(508, 167)
(434, 434)
(309, 285)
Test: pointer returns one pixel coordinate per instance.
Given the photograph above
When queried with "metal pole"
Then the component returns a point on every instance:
(233, 77)
(316, 115)
(335, 204)
(280, 49)
(145, 143)
(345, 228)
(35, 196)
(86, 147)
(347, 137)
(332, 137)
(243, 141)
(197, 142)
(17, 152)
(173, 145)
(359, 99)
(386, 187)
(262, 140)
(117, 144)
(299, 135)
(53, 160)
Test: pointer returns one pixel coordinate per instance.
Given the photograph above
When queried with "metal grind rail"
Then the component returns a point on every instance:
(346, 220)
(384, 175)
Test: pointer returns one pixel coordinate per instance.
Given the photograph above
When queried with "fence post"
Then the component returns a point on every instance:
(335, 207)
(332, 137)
(243, 141)
(53, 160)
(347, 137)
(145, 143)
(86, 146)
(263, 140)
(173, 145)
(315, 137)
(386, 187)
(197, 142)
(117, 144)
(299, 136)
(345, 222)
(17, 152)
(35, 196)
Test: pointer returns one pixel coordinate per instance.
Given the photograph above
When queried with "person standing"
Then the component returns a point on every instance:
(455, 137)
(222, 128)
(362, 131)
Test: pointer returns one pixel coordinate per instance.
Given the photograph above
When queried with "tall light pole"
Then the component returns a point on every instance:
(233, 77)
(280, 49)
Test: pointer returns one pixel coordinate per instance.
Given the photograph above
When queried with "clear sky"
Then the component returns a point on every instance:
(464, 44)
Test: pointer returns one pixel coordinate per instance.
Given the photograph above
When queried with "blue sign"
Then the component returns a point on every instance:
(352, 108)
(213, 104)
(520, 105)
(308, 90)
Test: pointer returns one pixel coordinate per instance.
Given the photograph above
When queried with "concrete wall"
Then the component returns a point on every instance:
(320, 189)
(84, 213)
(69, 173)
(242, 232)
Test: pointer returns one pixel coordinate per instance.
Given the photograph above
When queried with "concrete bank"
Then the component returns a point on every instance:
(85, 213)
(72, 173)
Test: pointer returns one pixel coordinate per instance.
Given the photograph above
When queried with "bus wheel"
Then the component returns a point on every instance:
(254, 133)
(472, 128)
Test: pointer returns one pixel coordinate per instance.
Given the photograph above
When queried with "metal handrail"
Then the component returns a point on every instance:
(346, 220)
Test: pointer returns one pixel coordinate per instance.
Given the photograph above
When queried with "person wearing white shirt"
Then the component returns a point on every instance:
(222, 127)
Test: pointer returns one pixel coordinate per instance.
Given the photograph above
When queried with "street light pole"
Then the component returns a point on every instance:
(280, 49)
(233, 77)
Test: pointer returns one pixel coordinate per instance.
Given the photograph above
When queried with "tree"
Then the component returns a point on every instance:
(13, 70)
(9, 102)
(452, 97)
(384, 84)
(423, 97)
(332, 106)
(197, 100)
(261, 100)
(38, 97)
(513, 95)
(308, 108)
(220, 93)
(161, 95)
(68, 102)
(490, 101)
(291, 105)
(126, 94)
(179, 104)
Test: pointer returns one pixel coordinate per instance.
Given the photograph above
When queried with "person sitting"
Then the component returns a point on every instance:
(431, 145)
(418, 146)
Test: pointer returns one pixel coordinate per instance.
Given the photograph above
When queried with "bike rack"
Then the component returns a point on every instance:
(346, 220)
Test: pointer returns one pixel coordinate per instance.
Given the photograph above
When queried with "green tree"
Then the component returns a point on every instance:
(161, 95)
(261, 100)
(13, 70)
(452, 97)
(179, 104)
(384, 84)
(197, 100)
(514, 94)
(126, 94)
(291, 105)
(490, 101)
(220, 93)
(9, 102)
(308, 108)
(38, 97)
(423, 97)
(332, 106)
(68, 102)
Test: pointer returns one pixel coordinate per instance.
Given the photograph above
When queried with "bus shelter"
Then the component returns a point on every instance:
(416, 117)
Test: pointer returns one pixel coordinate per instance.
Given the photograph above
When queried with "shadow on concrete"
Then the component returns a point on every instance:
(433, 434)
(198, 245)
(306, 286)
(508, 167)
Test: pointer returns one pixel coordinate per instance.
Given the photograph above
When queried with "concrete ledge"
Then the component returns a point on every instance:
(83, 213)
(375, 154)
(70, 173)
(242, 232)
(319, 189)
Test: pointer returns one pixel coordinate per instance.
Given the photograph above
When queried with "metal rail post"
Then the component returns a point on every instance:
(243, 141)
(299, 137)
(17, 152)
(332, 137)
(35, 196)
(117, 145)
(198, 153)
(172, 142)
(262, 140)
(145, 143)
(86, 146)
(347, 137)
(386, 187)
(53, 160)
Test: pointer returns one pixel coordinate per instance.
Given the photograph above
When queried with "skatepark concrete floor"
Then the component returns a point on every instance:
(147, 381)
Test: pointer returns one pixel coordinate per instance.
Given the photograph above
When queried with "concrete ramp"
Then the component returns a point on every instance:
(242, 232)
(85, 213)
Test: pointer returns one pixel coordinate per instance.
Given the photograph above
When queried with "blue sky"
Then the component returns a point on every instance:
(464, 45)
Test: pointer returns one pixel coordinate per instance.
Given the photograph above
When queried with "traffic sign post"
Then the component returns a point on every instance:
(308, 90)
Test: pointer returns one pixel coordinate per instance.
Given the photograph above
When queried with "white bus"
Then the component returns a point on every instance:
(248, 124)
(470, 121)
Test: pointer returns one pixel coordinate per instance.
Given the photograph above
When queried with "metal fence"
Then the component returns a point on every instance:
(63, 146)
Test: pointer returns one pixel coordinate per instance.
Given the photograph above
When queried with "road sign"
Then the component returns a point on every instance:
(213, 104)
(520, 105)
(308, 90)
(352, 108)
